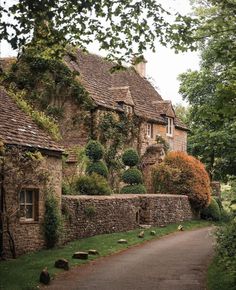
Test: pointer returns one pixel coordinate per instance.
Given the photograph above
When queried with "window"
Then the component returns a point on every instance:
(29, 204)
(149, 130)
(128, 109)
(170, 127)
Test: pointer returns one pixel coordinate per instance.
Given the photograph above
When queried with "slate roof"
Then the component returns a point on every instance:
(16, 128)
(107, 88)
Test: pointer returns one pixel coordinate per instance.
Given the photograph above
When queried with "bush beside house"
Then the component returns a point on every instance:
(183, 174)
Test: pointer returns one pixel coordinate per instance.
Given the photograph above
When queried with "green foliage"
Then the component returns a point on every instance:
(162, 141)
(130, 157)
(90, 211)
(134, 189)
(212, 211)
(94, 150)
(127, 32)
(40, 118)
(52, 221)
(183, 174)
(93, 184)
(132, 176)
(226, 250)
(211, 91)
(98, 167)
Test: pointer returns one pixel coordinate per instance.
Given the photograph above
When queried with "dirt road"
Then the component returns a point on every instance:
(175, 262)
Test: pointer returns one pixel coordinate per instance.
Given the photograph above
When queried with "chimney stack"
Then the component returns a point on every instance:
(140, 66)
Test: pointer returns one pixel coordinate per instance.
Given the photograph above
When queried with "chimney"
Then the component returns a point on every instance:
(139, 64)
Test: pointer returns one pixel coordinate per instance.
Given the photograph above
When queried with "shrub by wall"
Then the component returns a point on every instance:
(132, 176)
(183, 174)
(212, 211)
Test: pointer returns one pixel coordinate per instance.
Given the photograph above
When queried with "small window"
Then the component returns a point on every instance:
(170, 127)
(149, 130)
(29, 204)
(128, 109)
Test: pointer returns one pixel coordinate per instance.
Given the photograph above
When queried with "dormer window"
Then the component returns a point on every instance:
(149, 130)
(128, 109)
(170, 127)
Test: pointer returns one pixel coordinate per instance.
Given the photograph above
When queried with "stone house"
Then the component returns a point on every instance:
(127, 91)
(25, 209)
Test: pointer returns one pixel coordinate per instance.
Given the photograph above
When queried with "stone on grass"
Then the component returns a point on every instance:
(44, 277)
(141, 234)
(122, 241)
(62, 264)
(180, 228)
(153, 233)
(80, 255)
(93, 252)
(145, 226)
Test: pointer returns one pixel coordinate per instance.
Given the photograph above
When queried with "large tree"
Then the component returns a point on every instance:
(125, 28)
(211, 91)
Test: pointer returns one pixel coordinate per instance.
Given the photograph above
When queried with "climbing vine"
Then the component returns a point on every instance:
(116, 131)
(48, 84)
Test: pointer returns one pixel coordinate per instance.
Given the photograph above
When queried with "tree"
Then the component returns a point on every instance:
(211, 91)
(124, 27)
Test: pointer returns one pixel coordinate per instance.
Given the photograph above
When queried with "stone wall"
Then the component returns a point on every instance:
(88, 216)
(28, 234)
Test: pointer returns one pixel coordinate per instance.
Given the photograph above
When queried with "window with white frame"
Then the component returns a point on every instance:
(170, 127)
(149, 130)
(29, 204)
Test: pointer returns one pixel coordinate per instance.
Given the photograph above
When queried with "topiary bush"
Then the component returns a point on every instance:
(132, 176)
(134, 188)
(52, 221)
(180, 173)
(94, 150)
(212, 211)
(93, 184)
(130, 157)
(98, 167)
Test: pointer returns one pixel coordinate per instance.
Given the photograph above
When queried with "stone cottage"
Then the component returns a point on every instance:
(24, 210)
(127, 91)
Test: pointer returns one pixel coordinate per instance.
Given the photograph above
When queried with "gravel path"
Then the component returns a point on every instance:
(175, 262)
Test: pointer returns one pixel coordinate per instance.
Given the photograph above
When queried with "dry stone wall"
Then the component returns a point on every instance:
(88, 216)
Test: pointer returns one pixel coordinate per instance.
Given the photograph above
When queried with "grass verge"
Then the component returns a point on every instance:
(23, 273)
(219, 278)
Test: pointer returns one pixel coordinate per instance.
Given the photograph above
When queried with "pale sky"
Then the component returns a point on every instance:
(164, 65)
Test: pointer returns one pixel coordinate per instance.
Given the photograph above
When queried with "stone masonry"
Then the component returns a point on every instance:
(88, 216)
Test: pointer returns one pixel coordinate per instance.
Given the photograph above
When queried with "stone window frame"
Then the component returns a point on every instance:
(149, 130)
(170, 127)
(34, 203)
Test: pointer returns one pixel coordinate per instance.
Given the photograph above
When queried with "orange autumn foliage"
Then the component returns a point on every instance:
(181, 173)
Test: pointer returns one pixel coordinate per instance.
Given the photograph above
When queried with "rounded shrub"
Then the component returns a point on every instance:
(94, 150)
(93, 184)
(212, 211)
(134, 189)
(98, 167)
(130, 157)
(132, 176)
(180, 173)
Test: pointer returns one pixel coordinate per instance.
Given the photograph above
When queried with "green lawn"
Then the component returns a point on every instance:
(23, 273)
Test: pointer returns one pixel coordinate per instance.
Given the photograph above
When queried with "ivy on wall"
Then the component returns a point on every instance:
(48, 84)
(116, 131)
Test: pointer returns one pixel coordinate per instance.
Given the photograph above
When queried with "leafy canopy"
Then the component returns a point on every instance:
(124, 27)
(211, 91)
